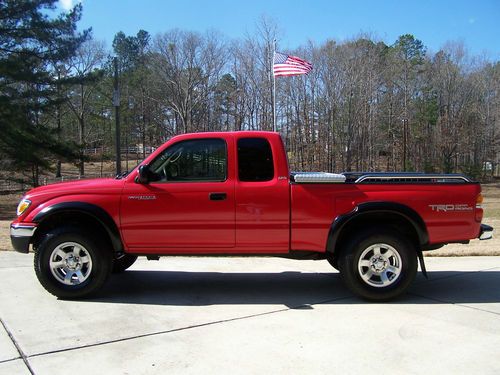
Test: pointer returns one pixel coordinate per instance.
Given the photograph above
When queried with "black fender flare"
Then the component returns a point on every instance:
(95, 212)
(405, 212)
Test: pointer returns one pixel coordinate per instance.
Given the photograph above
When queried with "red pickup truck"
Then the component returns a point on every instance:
(233, 194)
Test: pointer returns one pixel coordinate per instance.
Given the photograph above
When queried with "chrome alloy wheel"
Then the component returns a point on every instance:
(70, 263)
(380, 265)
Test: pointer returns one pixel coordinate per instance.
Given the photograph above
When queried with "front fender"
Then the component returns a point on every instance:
(94, 211)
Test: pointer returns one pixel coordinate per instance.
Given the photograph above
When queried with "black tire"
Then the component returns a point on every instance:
(378, 281)
(94, 263)
(123, 262)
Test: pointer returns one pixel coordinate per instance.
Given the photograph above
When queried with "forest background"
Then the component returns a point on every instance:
(366, 105)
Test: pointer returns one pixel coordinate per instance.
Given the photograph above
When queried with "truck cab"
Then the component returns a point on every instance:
(207, 193)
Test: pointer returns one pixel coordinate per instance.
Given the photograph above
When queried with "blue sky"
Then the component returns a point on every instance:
(476, 23)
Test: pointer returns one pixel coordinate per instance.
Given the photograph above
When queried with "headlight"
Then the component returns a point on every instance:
(23, 206)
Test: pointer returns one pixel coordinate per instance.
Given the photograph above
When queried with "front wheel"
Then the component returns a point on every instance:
(379, 264)
(70, 264)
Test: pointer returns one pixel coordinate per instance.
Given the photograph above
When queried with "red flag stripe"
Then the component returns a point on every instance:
(294, 59)
(284, 70)
(283, 66)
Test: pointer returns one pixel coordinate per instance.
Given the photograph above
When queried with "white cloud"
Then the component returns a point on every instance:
(66, 4)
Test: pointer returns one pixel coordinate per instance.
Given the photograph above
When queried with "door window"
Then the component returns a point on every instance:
(255, 160)
(195, 160)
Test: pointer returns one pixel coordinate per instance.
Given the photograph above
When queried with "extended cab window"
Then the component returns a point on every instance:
(255, 160)
(191, 161)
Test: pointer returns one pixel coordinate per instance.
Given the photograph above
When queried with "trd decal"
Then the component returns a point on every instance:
(450, 207)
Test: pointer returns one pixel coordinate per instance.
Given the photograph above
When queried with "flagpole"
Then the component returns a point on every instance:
(274, 87)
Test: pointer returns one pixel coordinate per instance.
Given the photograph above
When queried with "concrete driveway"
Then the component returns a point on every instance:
(251, 316)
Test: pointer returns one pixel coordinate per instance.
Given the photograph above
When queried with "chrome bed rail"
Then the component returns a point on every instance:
(377, 177)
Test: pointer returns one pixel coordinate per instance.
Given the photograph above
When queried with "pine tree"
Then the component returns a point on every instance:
(34, 40)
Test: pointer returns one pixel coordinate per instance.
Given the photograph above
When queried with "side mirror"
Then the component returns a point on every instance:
(144, 174)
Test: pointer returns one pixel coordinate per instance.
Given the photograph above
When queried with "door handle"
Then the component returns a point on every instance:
(217, 196)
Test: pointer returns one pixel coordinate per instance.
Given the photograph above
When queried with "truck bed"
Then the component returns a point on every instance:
(447, 202)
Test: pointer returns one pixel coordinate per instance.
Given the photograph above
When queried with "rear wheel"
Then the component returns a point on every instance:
(70, 264)
(378, 264)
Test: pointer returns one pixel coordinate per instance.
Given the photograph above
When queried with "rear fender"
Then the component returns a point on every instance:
(404, 213)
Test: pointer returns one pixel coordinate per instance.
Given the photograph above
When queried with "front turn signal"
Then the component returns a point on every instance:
(23, 206)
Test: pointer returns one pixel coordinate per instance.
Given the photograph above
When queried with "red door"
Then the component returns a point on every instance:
(189, 204)
(262, 196)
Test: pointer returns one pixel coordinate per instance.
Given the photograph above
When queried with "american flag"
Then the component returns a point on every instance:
(286, 65)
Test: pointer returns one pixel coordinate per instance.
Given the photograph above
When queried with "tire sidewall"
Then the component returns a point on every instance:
(350, 272)
(101, 264)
